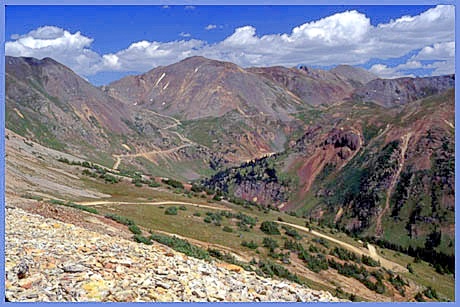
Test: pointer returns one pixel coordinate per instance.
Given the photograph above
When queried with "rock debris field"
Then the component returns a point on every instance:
(47, 260)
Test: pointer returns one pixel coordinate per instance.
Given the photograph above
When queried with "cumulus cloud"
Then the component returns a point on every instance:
(210, 27)
(71, 49)
(343, 38)
(184, 34)
(145, 55)
(389, 72)
(439, 51)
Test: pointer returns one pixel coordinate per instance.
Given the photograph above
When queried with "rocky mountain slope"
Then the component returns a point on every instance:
(82, 265)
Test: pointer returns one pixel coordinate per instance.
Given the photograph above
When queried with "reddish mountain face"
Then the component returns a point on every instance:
(313, 87)
(198, 88)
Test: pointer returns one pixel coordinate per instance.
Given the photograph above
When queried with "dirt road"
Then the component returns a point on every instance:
(148, 153)
(158, 203)
(370, 252)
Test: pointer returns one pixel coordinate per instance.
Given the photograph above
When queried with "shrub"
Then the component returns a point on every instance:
(137, 183)
(430, 293)
(292, 232)
(419, 297)
(343, 254)
(141, 239)
(398, 283)
(270, 228)
(87, 172)
(314, 263)
(197, 214)
(183, 208)
(410, 268)
(135, 229)
(154, 184)
(251, 244)
(195, 188)
(120, 219)
(246, 219)
(270, 244)
(171, 211)
(174, 183)
(271, 269)
(35, 197)
(243, 227)
(64, 160)
(369, 261)
(182, 246)
(212, 217)
(110, 179)
(80, 207)
(293, 246)
(227, 229)
(322, 242)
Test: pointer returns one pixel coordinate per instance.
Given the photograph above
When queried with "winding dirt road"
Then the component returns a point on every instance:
(371, 252)
(184, 139)
(158, 203)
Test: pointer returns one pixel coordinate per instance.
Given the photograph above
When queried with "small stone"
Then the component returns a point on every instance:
(119, 269)
(25, 283)
(162, 271)
(163, 285)
(31, 296)
(22, 270)
(74, 268)
(198, 293)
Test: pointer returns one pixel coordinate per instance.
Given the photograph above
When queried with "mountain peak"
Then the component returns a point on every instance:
(354, 73)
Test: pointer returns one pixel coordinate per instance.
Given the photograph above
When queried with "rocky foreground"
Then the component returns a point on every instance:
(48, 260)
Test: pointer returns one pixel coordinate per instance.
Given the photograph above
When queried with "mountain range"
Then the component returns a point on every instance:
(373, 157)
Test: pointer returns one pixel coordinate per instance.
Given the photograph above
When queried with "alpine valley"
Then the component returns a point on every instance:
(335, 179)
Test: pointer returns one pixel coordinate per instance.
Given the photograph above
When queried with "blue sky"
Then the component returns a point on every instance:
(103, 43)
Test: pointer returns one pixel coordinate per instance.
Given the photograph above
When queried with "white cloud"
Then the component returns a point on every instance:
(439, 51)
(70, 49)
(342, 28)
(165, 7)
(144, 55)
(388, 72)
(210, 27)
(184, 34)
(343, 38)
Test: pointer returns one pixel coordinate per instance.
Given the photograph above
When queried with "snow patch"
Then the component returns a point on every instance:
(161, 78)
